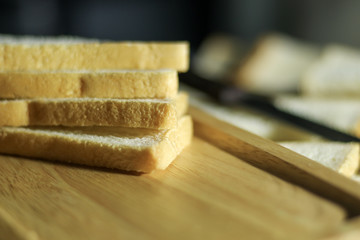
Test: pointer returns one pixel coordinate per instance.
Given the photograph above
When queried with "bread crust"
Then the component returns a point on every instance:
(95, 84)
(55, 144)
(141, 113)
(95, 56)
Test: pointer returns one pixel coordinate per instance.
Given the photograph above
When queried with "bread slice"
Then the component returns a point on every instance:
(341, 157)
(141, 113)
(123, 84)
(141, 150)
(216, 56)
(247, 119)
(340, 113)
(40, 53)
(335, 74)
(340, 53)
(276, 64)
(356, 178)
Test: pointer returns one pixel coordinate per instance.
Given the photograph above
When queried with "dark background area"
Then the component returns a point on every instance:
(320, 21)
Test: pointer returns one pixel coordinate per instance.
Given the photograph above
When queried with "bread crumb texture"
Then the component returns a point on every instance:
(142, 150)
(51, 55)
(122, 84)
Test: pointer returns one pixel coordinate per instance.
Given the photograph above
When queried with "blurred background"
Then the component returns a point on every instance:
(317, 21)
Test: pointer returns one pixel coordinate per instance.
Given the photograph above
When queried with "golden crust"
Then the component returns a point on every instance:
(76, 84)
(95, 56)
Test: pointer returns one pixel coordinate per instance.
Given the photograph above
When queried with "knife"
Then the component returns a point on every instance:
(230, 95)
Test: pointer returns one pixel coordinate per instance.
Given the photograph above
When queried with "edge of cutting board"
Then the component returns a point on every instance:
(279, 161)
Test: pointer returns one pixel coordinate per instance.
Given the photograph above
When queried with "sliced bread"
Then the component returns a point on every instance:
(341, 157)
(342, 114)
(95, 84)
(247, 119)
(276, 64)
(137, 113)
(335, 74)
(42, 53)
(142, 150)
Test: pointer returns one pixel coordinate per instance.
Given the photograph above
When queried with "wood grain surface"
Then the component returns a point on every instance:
(278, 161)
(350, 230)
(205, 194)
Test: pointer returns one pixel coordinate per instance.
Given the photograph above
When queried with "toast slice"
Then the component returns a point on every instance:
(94, 84)
(130, 149)
(341, 157)
(135, 113)
(41, 53)
(340, 113)
(276, 64)
(335, 74)
(247, 119)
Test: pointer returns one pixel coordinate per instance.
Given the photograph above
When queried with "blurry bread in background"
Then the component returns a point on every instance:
(247, 119)
(341, 53)
(335, 74)
(217, 56)
(341, 157)
(280, 64)
(342, 114)
(275, 65)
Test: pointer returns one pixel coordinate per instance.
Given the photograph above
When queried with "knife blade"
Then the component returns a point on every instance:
(230, 95)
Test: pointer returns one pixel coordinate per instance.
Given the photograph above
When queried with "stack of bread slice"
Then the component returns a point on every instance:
(104, 104)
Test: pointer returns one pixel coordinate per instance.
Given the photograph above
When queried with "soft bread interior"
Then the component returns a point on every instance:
(141, 150)
(341, 157)
(147, 113)
(275, 65)
(342, 114)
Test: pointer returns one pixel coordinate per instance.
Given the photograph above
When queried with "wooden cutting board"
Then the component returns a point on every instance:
(205, 194)
(279, 161)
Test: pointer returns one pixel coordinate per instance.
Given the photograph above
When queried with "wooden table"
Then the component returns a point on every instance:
(207, 193)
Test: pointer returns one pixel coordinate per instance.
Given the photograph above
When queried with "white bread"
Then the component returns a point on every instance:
(217, 55)
(143, 113)
(276, 65)
(130, 149)
(95, 84)
(341, 157)
(342, 114)
(340, 53)
(40, 53)
(247, 119)
(356, 178)
(335, 74)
